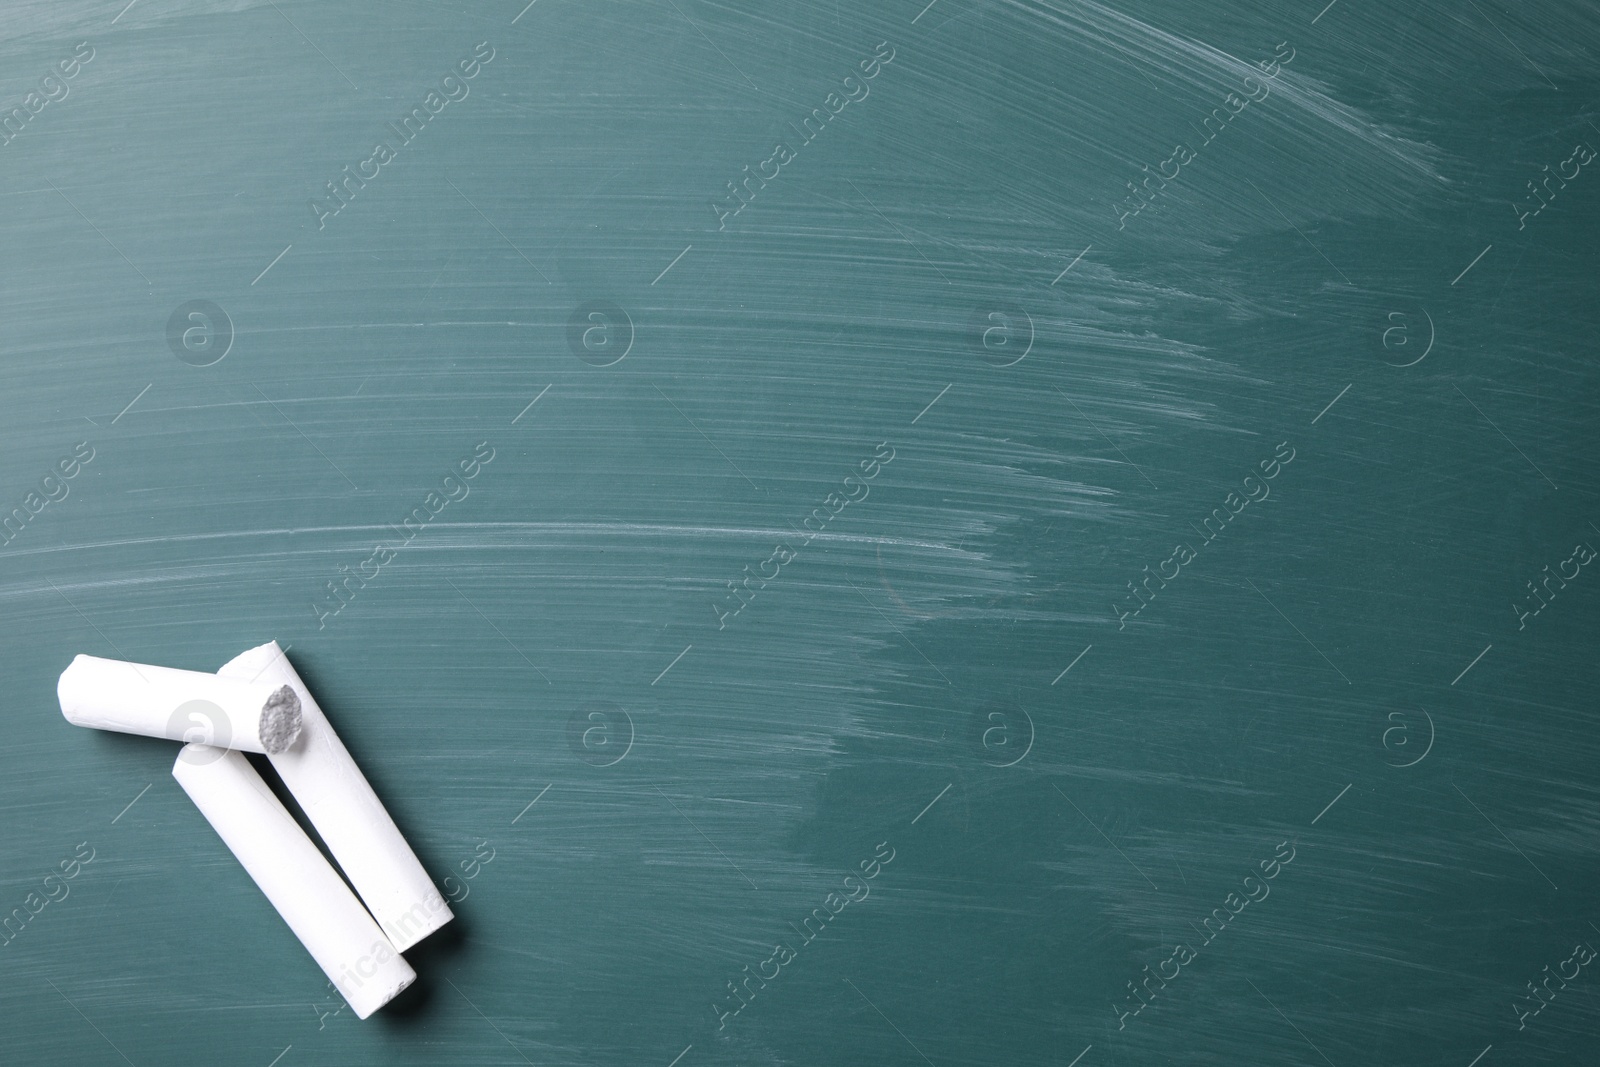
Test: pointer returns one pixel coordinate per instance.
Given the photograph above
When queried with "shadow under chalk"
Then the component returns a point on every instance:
(420, 1002)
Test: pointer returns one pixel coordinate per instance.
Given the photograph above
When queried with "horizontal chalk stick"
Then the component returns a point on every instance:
(348, 815)
(327, 918)
(136, 698)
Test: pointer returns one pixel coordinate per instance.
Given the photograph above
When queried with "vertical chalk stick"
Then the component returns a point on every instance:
(348, 815)
(297, 879)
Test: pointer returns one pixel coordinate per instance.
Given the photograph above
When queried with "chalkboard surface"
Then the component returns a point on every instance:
(1038, 532)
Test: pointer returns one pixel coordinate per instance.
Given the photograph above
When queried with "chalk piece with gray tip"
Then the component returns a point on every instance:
(136, 698)
(347, 814)
(304, 888)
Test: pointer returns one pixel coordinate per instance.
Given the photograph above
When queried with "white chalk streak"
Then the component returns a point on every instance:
(673, 664)
(132, 402)
(1063, 274)
(1332, 402)
(131, 803)
(1331, 803)
(932, 402)
(931, 803)
(532, 402)
(1474, 263)
(674, 263)
(531, 803)
(1508, 440)
(274, 262)
(1471, 665)
(1502, 833)
(1071, 665)
(319, 51)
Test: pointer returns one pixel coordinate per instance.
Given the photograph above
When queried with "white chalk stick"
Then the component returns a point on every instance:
(297, 879)
(136, 698)
(348, 815)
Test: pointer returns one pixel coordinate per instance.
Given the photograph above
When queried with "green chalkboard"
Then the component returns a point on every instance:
(1036, 533)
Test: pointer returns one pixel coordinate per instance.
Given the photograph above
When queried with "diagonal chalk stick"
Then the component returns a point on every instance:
(348, 815)
(297, 879)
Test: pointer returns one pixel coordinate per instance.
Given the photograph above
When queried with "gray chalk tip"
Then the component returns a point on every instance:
(280, 720)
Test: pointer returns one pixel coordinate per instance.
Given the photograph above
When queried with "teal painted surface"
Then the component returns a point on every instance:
(942, 388)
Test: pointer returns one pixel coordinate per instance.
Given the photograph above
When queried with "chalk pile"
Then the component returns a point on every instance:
(257, 703)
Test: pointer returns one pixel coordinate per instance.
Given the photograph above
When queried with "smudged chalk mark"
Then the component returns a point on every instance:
(903, 637)
(1107, 840)
(1109, 441)
(708, 840)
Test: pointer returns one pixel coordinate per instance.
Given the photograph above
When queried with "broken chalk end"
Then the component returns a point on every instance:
(280, 720)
